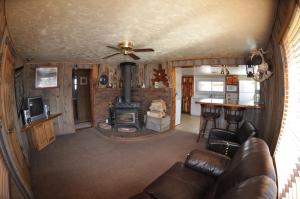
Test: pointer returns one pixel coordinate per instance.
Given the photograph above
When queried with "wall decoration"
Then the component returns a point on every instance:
(19, 89)
(103, 79)
(160, 76)
(83, 81)
(46, 77)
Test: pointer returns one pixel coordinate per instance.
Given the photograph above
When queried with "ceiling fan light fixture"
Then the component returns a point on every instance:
(127, 45)
(126, 48)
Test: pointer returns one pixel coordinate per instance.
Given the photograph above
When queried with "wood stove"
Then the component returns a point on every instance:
(126, 112)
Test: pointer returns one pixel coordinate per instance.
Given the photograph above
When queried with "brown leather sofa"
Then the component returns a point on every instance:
(205, 174)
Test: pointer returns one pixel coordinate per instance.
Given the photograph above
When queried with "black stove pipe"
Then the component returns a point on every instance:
(126, 71)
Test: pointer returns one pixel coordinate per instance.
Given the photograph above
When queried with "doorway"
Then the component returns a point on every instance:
(81, 98)
(187, 93)
(184, 93)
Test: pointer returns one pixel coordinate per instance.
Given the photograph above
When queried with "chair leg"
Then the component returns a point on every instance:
(227, 126)
(205, 124)
(237, 126)
(199, 135)
(215, 123)
(200, 131)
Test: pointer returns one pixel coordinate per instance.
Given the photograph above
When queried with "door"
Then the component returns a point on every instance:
(187, 93)
(81, 98)
(39, 136)
(10, 145)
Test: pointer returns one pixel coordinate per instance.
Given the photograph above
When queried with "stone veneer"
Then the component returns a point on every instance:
(104, 96)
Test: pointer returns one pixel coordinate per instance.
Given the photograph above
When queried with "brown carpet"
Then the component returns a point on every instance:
(88, 165)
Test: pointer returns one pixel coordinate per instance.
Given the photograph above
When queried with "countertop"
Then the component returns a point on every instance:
(223, 102)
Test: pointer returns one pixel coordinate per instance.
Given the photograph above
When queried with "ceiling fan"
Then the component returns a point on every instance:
(126, 48)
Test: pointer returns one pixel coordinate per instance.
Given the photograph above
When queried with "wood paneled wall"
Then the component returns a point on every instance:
(2, 19)
(272, 90)
(11, 184)
(59, 99)
(4, 180)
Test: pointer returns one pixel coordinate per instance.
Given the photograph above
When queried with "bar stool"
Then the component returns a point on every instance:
(233, 116)
(209, 112)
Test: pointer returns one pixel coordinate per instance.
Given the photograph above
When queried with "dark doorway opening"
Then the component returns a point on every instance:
(81, 98)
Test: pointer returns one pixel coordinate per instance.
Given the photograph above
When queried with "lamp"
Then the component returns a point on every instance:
(249, 68)
(224, 70)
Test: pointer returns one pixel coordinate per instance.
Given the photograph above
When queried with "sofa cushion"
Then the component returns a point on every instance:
(246, 131)
(207, 162)
(142, 195)
(260, 187)
(253, 159)
(180, 182)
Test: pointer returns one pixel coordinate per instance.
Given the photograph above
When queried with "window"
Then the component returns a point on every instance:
(210, 86)
(204, 86)
(287, 153)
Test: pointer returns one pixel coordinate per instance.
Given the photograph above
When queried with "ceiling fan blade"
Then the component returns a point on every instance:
(110, 55)
(143, 50)
(115, 48)
(133, 56)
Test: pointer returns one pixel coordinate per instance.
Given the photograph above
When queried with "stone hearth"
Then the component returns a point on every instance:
(104, 96)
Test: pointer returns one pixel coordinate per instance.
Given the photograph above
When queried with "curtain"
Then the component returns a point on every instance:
(287, 152)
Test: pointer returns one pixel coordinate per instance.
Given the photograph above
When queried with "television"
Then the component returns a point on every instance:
(36, 107)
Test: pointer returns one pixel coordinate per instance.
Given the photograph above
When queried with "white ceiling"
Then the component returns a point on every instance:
(77, 30)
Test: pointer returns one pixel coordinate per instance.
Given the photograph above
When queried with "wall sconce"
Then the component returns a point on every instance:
(224, 70)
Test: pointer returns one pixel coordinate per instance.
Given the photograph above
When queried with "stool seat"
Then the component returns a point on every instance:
(211, 116)
(233, 116)
(208, 113)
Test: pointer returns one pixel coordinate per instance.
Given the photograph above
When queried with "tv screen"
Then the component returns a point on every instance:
(35, 107)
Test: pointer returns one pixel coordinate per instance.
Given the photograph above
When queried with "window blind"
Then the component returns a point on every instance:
(287, 153)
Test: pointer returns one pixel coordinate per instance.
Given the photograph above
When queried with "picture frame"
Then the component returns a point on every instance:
(46, 77)
(83, 80)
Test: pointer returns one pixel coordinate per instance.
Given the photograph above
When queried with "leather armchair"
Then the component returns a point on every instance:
(228, 142)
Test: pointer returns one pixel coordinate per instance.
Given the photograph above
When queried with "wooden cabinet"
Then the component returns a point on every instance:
(49, 131)
(42, 134)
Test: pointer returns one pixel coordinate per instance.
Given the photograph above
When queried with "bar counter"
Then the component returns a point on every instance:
(224, 103)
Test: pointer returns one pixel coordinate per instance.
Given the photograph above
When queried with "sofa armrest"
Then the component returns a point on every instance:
(222, 134)
(207, 162)
(223, 147)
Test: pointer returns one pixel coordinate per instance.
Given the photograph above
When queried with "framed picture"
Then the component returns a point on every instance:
(46, 77)
(83, 81)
